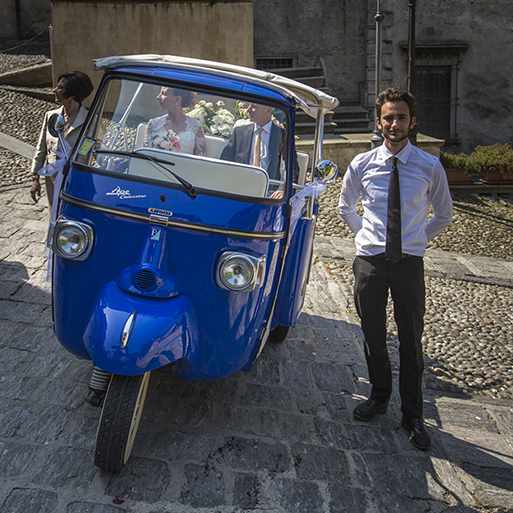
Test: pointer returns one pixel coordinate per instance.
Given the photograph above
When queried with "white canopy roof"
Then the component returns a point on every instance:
(309, 99)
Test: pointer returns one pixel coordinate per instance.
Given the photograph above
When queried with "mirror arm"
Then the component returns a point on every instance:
(317, 157)
(319, 134)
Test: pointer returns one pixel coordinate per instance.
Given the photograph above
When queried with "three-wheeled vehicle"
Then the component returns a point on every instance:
(184, 228)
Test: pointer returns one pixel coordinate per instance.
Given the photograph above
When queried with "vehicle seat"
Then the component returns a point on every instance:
(203, 172)
(215, 146)
(140, 136)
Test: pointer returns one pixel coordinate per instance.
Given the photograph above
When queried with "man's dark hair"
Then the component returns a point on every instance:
(393, 94)
(76, 85)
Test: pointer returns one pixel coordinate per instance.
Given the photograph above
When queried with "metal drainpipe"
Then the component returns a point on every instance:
(411, 82)
(17, 10)
(377, 139)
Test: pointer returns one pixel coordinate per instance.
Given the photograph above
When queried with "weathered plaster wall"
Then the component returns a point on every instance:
(7, 20)
(221, 30)
(34, 18)
(334, 30)
(485, 77)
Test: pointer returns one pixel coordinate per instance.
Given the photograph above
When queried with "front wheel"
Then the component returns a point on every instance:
(121, 413)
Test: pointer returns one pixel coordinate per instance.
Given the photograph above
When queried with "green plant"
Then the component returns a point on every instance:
(493, 158)
(458, 161)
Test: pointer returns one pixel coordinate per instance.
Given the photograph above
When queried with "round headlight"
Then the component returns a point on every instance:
(237, 272)
(72, 240)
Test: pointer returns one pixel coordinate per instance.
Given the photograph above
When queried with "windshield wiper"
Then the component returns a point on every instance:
(189, 188)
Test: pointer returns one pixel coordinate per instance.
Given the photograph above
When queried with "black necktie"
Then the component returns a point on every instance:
(393, 250)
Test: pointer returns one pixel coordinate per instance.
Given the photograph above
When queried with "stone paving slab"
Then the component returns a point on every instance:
(277, 439)
(436, 262)
(16, 146)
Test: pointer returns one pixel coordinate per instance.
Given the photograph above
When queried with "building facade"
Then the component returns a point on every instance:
(21, 19)
(464, 69)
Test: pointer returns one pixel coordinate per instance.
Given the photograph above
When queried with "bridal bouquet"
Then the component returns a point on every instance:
(166, 140)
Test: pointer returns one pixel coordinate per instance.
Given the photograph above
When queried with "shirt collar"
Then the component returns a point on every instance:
(385, 154)
(265, 128)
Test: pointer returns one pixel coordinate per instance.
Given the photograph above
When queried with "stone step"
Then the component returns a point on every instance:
(350, 117)
(38, 75)
(297, 73)
(352, 122)
(41, 93)
(340, 130)
(307, 127)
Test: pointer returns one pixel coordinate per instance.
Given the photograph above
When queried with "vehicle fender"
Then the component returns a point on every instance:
(157, 331)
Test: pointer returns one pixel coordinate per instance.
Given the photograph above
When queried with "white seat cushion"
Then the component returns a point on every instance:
(215, 146)
(140, 135)
(203, 172)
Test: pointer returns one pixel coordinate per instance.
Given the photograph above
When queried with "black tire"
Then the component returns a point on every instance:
(121, 413)
(278, 334)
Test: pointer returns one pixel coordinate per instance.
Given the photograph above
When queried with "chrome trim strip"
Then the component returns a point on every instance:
(127, 330)
(178, 224)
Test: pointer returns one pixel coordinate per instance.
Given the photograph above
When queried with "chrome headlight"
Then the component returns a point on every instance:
(240, 272)
(72, 240)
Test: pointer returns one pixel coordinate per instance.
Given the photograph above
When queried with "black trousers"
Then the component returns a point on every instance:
(374, 278)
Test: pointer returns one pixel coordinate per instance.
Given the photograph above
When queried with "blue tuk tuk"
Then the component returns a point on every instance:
(184, 227)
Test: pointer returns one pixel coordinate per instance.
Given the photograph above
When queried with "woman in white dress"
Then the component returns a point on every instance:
(175, 131)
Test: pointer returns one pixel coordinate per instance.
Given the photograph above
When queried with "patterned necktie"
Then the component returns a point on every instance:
(393, 248)
(257, 148)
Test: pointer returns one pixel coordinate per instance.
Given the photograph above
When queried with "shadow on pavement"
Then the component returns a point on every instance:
(279, 436)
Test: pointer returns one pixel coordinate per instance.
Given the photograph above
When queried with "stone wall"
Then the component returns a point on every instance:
(342, 150)
(307, 31)
(473, 38)
(482, 76)
(34, 18)
(217, 30)
(7, 20)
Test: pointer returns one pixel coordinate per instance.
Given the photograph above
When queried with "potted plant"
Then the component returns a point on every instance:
(494, 163)
(459, 168)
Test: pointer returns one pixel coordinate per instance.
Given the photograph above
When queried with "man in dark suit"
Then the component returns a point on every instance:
(258, 143)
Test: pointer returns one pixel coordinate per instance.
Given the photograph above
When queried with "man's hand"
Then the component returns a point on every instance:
(35, 189)
(277, 195)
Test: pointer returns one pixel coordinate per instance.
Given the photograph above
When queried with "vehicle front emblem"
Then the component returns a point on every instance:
(124, 193)
(160, 212)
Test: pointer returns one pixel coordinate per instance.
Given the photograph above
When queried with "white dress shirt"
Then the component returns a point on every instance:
(422, 181)
(264, 146)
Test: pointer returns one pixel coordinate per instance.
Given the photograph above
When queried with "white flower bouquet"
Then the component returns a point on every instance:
(215, 118)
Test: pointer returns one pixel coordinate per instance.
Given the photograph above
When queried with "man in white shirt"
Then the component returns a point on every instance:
(396, 183)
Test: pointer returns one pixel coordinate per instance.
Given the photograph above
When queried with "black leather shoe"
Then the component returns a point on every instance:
(369, 409)
(418, 435)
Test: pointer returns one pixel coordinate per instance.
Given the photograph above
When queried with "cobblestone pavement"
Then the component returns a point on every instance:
(468, 334)
(482, 224)
(278, 439)
(23, 54)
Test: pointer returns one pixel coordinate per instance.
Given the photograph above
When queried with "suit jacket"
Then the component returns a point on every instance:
(46, 149)
(240, 143)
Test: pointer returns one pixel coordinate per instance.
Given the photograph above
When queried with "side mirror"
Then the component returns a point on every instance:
(52, 125)
(326, 171)
(55, 127)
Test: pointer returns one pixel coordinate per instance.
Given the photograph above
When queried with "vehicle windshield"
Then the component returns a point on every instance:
(188, 138)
